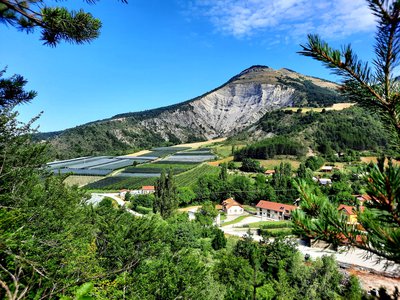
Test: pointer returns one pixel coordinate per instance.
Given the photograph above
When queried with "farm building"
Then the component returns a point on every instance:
(231, 207)
(274, 210)
(326, 169)
(323, 181)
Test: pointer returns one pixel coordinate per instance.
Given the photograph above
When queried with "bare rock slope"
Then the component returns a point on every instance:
(234, 106)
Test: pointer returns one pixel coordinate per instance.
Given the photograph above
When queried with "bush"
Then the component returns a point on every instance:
(314, 162)
(276, 225)
(143, 210)
(267, 233)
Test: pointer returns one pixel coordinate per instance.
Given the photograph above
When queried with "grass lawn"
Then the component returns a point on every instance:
(237, 220)
(249, 208)
(270, 223)
(270, 164)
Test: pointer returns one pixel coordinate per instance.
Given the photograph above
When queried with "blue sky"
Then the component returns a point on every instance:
(154, 53)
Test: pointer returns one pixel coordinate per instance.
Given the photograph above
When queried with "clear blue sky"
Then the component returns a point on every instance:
(154, 53)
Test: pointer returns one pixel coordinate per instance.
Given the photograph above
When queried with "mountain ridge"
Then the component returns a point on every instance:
(223, 111)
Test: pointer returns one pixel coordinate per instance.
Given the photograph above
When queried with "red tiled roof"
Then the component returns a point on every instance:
(218, 207)
(228, 203)
(350, 210)
(363, 198)
(275, 206)
(148, 188)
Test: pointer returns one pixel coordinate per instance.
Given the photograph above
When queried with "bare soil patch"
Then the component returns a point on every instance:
(371, 281)
(201, 144)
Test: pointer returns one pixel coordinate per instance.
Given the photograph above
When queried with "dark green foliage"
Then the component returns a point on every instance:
(12, 91)
(251, 165)
(56, 23)
(166, 200)
(282, 183)
(142, 200)
(271, 147)
(206, 214)
(309, 94)
(352, 128)
(219, 240)
(118, 183)
(314, 162)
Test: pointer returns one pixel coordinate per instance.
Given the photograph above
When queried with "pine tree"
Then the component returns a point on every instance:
(57, 23)
(166, 199)
(379, 91)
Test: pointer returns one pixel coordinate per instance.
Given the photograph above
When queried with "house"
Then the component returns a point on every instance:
(274, 210)
(326, 169)
(323, 181)
(349, 212)
(231, 207)
(363, 198)
(147, 189)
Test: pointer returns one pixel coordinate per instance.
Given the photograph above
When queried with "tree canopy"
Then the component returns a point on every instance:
(56, 23)
(378, 228)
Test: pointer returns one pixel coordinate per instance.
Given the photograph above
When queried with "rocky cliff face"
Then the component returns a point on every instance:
(223, 112)
(236, 105)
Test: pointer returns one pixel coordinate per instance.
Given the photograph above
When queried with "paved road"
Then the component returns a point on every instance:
(354, 256)
(97, 197)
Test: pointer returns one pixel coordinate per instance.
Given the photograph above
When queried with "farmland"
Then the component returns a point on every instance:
(117, 183)
(81, 180)
(190, 177)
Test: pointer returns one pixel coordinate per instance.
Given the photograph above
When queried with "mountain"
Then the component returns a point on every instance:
(224, 111)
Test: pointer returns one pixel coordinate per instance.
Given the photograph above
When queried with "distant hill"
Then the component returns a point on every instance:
(240, 102)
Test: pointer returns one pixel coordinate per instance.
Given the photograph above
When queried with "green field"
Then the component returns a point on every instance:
(81, 180)
(237, 220)
(191, 177)
(118, 183)
(271, 224)
(186, 178)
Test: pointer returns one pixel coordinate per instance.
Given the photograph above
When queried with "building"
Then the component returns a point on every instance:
(231, 207)
(349, 212)
(323, 181)
(326, 169)
(363, 198)
(274, 210)
(147, 189)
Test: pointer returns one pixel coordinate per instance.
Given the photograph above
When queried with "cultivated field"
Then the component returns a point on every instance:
(81, 180)
(272, 163)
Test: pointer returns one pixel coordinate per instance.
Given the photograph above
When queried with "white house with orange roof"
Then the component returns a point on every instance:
(232, 207)
(274, 210)
(147, 189)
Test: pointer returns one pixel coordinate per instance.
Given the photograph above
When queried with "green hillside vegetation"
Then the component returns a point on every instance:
(308, 94)
(269, 148)
(339, 131)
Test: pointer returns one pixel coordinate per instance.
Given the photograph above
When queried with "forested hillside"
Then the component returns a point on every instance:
(327, 132)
